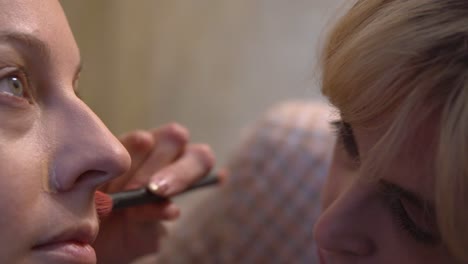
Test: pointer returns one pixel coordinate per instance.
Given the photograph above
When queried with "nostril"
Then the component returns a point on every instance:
(88, 169)
(87, 154)
(93, 178)
(111, 164)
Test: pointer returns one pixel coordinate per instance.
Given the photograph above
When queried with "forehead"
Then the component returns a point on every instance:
(31, 15)
(43, 19)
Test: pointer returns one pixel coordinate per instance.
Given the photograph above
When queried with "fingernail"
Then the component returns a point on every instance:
(159, 188)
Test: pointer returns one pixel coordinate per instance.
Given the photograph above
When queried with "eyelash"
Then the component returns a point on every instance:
(24, 79)
(345, 135)
(407, 224)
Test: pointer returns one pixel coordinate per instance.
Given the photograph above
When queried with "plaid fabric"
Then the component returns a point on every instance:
(267, 210)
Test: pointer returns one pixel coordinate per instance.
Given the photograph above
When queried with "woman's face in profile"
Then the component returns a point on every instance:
(55, 151)
(388, 220)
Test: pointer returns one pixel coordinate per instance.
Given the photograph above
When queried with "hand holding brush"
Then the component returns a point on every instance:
(163, 162)
(106, 203)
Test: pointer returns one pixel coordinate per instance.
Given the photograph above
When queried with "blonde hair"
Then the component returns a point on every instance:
(409, 58)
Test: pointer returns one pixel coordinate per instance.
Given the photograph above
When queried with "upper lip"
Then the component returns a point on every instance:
(82, 234)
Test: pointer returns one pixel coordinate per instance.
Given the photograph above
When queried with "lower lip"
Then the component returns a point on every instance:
(67, 252)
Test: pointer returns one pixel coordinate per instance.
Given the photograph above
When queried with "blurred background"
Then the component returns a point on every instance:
(211, 65)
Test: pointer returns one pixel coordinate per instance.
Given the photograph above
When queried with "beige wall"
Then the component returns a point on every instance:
(212, 65)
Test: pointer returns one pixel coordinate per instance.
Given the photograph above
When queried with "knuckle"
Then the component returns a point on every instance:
(138, 139)
(205, 154)
(176, 133)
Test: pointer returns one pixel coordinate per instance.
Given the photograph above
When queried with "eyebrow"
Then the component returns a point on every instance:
(408, 195)
(28, 40)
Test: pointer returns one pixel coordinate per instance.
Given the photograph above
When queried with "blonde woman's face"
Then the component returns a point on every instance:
(55, 152)
(389, 220)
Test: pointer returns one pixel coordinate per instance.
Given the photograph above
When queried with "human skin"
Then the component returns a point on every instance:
(359, 223)
(56, 152)
(161, 154)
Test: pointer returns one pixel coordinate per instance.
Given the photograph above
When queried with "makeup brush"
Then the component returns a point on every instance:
(106, 203)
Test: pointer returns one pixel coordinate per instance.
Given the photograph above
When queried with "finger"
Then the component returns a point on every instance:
(170, 142)
(157, 211)
(139, 145)
(194, 164)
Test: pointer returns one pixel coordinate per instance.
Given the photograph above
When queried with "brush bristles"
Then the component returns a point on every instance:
(103, 204)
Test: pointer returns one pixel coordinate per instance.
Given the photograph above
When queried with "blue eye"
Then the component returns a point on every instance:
(12, 85)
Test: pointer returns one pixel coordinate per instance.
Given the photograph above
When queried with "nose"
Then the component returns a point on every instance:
(346, 225)
(86, 153)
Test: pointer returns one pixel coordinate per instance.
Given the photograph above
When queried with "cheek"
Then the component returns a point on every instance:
(23, 161)
(20, 195)
(15, 125)
(20, 179)
(22, 150)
